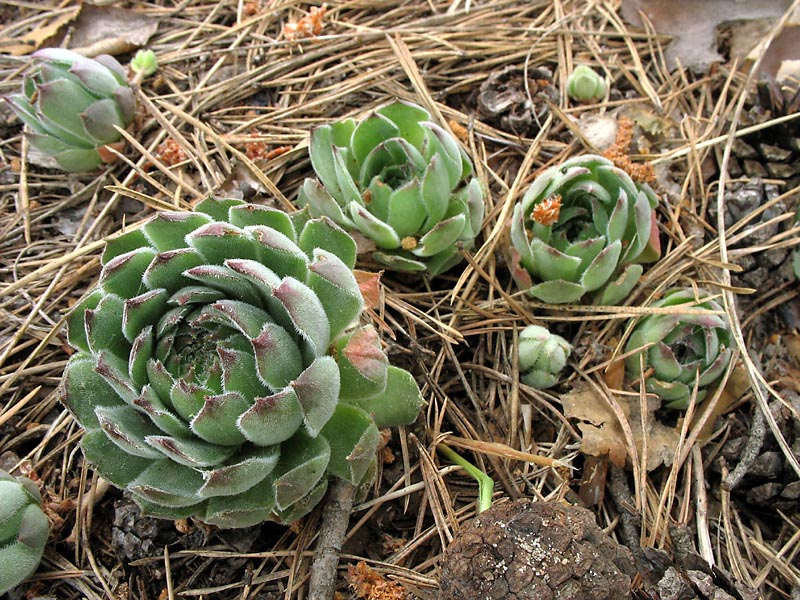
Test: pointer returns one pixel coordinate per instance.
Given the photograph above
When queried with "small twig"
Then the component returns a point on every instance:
(750, 452)
(335, 518)
(701, 514)
(623, 501)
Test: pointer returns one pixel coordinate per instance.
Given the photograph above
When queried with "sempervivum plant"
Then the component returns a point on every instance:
(24, 529)
(680, 347)
(71, 105)
(221, 371)
(401, 181)
(542, 355)
(583, 227)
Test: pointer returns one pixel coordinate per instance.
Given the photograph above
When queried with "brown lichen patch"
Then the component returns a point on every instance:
(544, 550)
(618, 154)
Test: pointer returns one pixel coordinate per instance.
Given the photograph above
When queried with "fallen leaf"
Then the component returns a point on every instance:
(781, 61)
(602, 433)
(737, 385)
(110, 30)
(693, 24)
(369, 284)
(241, 183)
(593, 481)
(35, 39)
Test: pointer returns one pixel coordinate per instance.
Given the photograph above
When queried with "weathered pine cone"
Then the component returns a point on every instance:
(535, 550)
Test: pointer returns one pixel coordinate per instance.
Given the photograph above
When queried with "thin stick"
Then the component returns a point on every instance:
(335, 518)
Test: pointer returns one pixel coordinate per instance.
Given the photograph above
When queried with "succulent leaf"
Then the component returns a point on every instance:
(24, 530)
(396, 177)
(588, 210)
(218, 357)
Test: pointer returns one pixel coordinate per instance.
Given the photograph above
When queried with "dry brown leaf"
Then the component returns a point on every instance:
(37, 38)
(602, 434)
(737, 385)
(110, 30)
(782, 58)
(693, 24)
(370, 285)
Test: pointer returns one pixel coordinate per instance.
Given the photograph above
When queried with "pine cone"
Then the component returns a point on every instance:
(773, 152)
(543, 550)
(505, 102)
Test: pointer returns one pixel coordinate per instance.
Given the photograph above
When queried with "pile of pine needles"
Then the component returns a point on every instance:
(229, 113)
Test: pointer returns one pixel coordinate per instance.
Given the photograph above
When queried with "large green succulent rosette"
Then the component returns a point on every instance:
(401, 181)
(221, 371)
(24, 529)
(72, 106)
(583, 227)
(680, 348)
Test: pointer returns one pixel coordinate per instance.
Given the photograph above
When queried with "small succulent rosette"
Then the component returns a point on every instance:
(680, 348)
(24, 530)
(401, 181)
(72, 104)
(586, 85)
(583, 227)
(221, 371)
(542, 356)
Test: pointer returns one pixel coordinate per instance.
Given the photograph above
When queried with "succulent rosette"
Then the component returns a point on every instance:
(221, 371)
(401, 181)
(24, 529)
(72, 104)
(583, 227)
(542, 356)
(680, 348)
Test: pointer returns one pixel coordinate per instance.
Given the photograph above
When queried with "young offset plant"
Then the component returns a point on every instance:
(400, 180)
(72, 104)
(586, 85)
(681, 348)
(542, 356)
(24, 530)
(221, 371)
(583, 228)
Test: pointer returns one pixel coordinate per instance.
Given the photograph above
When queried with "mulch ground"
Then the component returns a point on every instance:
(229, 113)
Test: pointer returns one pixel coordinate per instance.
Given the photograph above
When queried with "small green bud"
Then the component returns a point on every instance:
(585, 85)
(144, 63)
(542, 355)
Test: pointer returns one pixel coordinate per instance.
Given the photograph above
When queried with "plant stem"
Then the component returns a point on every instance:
(335, 518)
(485, 483)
